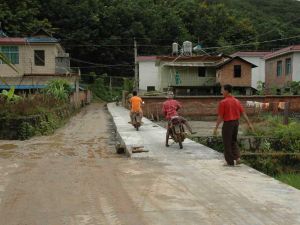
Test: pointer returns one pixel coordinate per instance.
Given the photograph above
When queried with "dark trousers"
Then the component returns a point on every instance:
(229, 135)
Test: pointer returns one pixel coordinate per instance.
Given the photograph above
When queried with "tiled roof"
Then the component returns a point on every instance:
(146, 58)
(290, 49)
(249, 54)
(41, 40)
(12, 41)
(236, 57)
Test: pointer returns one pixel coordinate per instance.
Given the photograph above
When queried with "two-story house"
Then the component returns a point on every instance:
(282, 66)
(194, 75)
(38, 59)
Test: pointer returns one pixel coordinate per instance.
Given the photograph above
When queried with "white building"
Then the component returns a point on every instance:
(148, 73)
(256, 58)
(193, 75)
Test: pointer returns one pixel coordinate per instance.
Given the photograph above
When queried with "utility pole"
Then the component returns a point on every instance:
(136, 80)
(110, 87)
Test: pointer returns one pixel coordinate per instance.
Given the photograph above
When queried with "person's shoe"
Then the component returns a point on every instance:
(130, 122)
(193, 132)
(226, 164)
(237, 162)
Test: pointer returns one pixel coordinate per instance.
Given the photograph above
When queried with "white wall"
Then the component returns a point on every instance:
(296, 66)
(148, 75)
(258, 73)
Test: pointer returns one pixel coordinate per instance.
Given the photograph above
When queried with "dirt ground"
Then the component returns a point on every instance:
(71, 177)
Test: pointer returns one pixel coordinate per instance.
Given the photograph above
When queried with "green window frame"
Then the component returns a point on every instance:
(11, 53)
(288, 66)
(279, 68)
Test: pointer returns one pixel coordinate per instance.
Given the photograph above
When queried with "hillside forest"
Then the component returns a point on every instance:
(99, 34)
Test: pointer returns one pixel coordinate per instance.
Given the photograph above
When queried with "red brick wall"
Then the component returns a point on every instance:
(226, 74)
(272, 80)
(197, 107)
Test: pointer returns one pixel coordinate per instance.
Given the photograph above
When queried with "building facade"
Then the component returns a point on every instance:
(37, 59)
(237, 72)
(148, 73)
(282, 67)
(256, 58)
(194, 75)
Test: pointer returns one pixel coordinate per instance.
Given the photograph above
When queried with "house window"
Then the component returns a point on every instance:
(279, 68)
(288, 66)
(201, 71)
(237, 70)
(39, 57)
(150, 88)
(11, 53)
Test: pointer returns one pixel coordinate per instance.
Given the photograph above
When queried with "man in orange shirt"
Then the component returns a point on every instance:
(229, 111)
(135, 102)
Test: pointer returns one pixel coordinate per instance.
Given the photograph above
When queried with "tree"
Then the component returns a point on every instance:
(22, 17)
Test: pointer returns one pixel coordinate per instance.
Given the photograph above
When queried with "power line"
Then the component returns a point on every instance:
(109, 67)
(275, 27)
(107, 76)
(169, 46)
(253, 43)
(117, 45)
(101, 65)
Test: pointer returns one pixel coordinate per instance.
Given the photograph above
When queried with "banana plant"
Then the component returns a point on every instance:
(8, 95)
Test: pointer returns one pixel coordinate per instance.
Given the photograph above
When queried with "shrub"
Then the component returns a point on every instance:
(31, 105)
(45, 128)
(59, 89)
(26, 131)
(10, 96)
(103, 92)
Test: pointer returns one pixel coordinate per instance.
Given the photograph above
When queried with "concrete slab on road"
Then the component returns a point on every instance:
(193, 186)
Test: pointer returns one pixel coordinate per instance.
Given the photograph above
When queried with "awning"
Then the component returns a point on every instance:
(186, 64)
(22, 87)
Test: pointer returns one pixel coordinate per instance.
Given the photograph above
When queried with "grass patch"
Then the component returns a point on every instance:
(292, 179)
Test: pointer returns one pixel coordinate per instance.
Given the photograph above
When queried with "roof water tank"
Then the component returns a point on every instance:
(187, 48)
(174, 48)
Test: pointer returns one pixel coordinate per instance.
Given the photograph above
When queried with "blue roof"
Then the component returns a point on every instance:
(42, 40)
(22, 87)
(26, 87)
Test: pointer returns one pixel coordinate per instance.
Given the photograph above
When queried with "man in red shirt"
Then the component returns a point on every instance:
(230, 111)
(170, 108)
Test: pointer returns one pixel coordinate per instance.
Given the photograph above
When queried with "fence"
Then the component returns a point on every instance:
(201, 107)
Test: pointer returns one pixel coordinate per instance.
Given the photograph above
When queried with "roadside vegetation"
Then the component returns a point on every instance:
(292, 179)
(273, 148)
(107, 88)
(35, 114)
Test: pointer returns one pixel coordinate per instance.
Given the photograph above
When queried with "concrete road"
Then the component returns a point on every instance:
(74, 177)
(193, 187)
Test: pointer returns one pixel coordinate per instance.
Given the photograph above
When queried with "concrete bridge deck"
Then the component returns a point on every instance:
(193, 186)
